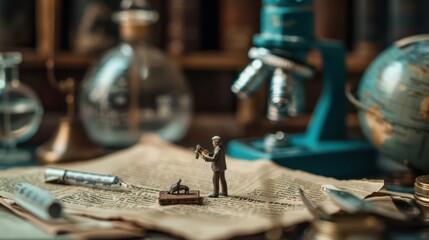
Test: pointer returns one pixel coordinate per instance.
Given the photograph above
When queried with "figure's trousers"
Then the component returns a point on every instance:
(219, 175)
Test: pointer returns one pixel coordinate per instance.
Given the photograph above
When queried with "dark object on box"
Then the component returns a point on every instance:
(177, 187)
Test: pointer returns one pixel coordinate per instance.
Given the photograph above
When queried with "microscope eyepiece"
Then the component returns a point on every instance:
(263, 65)
(286, 94)
(251, 79)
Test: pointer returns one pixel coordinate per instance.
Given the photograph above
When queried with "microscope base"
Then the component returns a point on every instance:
(334, 158)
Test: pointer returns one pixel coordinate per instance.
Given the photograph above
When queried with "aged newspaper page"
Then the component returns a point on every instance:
(75, 226)
(262, 194)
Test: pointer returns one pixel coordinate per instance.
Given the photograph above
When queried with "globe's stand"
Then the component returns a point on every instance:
(324, 148)
(397, 177)
(388, 165)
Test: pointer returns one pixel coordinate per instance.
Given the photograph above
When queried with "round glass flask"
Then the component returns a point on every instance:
(134, 89)
(20, 110)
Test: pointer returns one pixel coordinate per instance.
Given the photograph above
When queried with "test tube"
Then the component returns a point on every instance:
(69, 177)
(37, 201)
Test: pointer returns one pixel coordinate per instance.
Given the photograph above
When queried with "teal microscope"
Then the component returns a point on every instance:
(278, 55)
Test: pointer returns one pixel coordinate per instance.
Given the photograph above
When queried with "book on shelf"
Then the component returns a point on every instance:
(402, 19)
(369, 19)
(424, 16)
(17, 24)
(239, 21)
(183, 27)
(379, 23)
(331, 19)
(158, 30)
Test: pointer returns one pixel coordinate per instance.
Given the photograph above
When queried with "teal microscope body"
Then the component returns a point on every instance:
(287, 27)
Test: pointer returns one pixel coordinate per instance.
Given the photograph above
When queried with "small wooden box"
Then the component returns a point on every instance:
(192, 198)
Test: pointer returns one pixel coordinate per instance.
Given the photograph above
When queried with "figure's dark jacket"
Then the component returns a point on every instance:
(218, 159)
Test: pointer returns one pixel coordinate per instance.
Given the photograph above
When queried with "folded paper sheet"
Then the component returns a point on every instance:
(262, 194)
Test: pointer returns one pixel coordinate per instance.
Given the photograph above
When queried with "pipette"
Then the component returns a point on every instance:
(100, 181)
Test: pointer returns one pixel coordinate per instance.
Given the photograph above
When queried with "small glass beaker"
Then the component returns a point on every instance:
(20, 110)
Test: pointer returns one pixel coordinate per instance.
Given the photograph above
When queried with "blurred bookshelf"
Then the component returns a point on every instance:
(220, 54)
(203, 60)
(209, 40)
(219, 57)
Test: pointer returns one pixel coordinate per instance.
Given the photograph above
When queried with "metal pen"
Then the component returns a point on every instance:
(69, 177)
(37, 201)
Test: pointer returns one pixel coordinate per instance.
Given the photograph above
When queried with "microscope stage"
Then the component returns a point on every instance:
(337, 158)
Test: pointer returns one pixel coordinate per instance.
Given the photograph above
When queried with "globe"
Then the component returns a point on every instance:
(394, 107)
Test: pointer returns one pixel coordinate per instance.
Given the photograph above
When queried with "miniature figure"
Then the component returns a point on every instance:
(177, 188)
(217, 158)
(174, 197)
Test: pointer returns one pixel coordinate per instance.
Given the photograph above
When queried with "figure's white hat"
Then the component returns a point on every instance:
(216, 138)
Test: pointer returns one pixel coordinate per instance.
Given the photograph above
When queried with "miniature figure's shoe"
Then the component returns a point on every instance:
(213, 195)
(223, 194)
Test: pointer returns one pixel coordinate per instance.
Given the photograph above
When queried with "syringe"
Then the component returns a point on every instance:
(37, 201)
(69, 177)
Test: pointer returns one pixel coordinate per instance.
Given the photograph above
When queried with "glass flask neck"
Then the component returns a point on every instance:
(9, 67)
(135, 34)
(9, 73)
